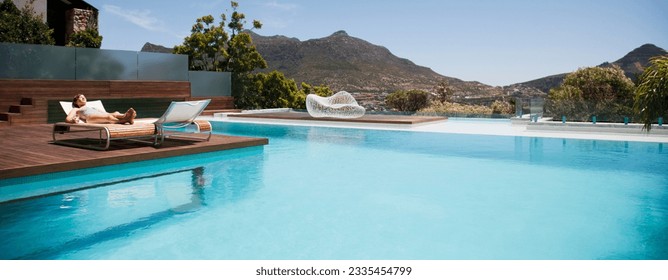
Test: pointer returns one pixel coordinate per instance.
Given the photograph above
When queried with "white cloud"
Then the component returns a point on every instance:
(276, 23)
(282, 6)
(209, 5)
(142, 18)
(279, 15)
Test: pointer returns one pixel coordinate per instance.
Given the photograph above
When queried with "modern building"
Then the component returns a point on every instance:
(63, 16)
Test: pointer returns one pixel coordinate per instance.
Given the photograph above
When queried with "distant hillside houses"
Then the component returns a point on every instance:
(369, 71)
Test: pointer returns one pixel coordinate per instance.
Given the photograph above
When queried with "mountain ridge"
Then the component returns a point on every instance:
(633, 64)
(344, 62)
(348, 63)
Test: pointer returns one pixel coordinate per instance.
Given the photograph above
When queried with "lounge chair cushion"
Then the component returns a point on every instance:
(182, 112)
(67, 106)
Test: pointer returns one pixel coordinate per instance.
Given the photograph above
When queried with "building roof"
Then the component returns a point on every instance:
(79, 4)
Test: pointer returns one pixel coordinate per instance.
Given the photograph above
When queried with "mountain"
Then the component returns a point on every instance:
(633, 64)
(347, 63)
(369, 71)
(148, 47)
(344, 63)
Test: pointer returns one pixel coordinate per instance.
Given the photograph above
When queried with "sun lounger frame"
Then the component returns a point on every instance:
(201, 126)
(179, 115)
(106, 133)
(147, 133)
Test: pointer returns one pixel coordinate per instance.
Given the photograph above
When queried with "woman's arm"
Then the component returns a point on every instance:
(72, 117)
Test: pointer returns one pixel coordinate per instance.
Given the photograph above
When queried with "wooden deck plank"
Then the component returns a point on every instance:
(27, 150)
(149, 94)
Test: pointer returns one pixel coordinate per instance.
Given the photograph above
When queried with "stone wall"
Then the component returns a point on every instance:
(80, 20)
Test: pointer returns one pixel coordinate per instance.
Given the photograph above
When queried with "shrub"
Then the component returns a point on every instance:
(604, 92)
(23, 26)
(88, 38)
(651, 95)
(408, 101)
(272, 90)
(502, 107)
(457, 109)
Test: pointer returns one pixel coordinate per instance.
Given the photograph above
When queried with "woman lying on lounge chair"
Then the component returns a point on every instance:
(90, 114)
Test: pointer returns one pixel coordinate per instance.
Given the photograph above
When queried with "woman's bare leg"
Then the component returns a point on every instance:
(101, 118)
(117, 115)
(129, 116)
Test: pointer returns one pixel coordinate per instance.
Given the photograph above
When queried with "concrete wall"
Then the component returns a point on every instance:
(38, 6)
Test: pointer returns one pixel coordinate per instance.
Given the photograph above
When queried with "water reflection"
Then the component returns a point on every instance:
(74, 219)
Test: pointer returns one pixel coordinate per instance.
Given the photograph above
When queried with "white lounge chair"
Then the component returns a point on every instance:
(179, 116)
(340, 105)
(173, 123)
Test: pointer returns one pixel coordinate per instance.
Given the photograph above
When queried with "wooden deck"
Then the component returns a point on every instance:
(368, 118)
(27, 150)
(36, 101)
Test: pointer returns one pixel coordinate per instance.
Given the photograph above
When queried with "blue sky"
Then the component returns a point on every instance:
(494, 42)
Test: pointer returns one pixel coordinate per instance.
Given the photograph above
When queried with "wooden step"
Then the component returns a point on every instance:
(27, 120)
(19, 108)
(8, 116)
(26, 101)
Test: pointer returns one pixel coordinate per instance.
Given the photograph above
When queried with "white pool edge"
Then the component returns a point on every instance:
(464, 126)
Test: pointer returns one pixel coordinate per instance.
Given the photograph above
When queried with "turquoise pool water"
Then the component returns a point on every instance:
(334, 193)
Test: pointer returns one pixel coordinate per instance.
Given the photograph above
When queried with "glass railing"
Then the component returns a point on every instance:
(43, 62)
(26, 61)
(579, 111)
(20, 61)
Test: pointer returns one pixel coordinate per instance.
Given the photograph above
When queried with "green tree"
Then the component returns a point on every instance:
(444, 91)
(306, 89)
(408, 101)
(23, 26)
(321, 90)
(89, 38)
(651, 95)
(210, 47)
(206, 47)
(273, 90)
(277, 91)
(601, 91)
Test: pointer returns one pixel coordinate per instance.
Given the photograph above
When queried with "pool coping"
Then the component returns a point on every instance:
(366, 119)
(503, 127)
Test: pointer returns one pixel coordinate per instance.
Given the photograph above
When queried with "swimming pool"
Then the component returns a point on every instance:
(336, 193)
